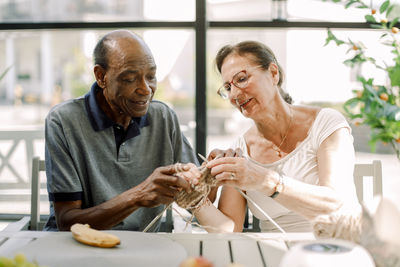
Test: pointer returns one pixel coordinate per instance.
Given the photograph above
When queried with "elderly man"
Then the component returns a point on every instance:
(109, 154)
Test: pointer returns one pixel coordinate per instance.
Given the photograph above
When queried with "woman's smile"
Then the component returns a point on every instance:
(244, 104)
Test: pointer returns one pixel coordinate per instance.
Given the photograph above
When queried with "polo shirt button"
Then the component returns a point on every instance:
(122, 144)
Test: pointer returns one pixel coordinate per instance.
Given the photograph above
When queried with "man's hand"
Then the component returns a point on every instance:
(165, 182)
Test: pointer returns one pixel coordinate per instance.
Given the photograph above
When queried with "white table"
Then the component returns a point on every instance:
(249, 249)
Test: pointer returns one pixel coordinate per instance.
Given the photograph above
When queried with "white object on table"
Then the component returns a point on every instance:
(327, 253)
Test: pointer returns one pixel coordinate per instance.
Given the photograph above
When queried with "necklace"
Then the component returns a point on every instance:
(278, 148)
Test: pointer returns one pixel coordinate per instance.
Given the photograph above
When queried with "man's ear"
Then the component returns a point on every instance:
(273, 68)
(100, 74)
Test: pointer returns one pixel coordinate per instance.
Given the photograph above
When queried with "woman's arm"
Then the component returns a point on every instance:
(335, 171)
(229, 216)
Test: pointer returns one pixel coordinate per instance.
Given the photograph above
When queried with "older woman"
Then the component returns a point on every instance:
(297, 161)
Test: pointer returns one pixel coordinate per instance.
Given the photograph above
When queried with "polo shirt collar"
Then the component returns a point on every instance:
(98, 119)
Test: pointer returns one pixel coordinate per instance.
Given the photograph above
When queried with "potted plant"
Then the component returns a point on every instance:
(375, 105)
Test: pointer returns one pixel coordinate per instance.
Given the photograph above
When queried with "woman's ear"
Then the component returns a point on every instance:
(274, 69)
(100, 73)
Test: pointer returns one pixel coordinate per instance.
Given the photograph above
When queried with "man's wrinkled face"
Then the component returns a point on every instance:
(130, 80)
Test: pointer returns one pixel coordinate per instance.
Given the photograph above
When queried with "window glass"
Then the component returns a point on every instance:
(96, 10)
(291, 10)
(48, 67)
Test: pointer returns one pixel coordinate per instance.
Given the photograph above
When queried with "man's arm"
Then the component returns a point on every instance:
(159, 188)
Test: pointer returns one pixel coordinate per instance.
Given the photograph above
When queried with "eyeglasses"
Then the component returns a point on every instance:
(240, 80)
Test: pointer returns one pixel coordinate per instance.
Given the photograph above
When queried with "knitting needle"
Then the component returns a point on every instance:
(156, 218)
(202, 157)
(205, 159)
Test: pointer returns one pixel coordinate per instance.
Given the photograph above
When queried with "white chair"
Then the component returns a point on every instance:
(33, 222)
(361, 171)
(373, 170)
(38, 165)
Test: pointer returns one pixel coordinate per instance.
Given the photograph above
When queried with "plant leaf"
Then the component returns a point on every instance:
(351, 2)
(377, 26)
(383, 35)
(370, 18)
(332, 37)
(393, 22)
(391, 111)
(389, 10)
(394, 75)
(384, 6)
(372, 144)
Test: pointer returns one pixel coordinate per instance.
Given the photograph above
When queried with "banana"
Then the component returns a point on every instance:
(86, 235)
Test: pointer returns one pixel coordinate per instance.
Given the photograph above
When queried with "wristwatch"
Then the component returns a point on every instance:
(278, 187)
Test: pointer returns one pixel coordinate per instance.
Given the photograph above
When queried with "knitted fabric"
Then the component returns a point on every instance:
(199, 192)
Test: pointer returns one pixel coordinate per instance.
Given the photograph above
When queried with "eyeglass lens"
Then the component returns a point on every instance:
(240, 80)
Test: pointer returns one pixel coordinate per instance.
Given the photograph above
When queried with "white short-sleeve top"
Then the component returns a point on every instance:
(301, 164)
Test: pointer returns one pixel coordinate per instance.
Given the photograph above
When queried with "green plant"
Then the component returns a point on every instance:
(375, 105)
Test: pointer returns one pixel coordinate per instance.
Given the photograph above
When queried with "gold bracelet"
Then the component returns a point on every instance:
(279, 187)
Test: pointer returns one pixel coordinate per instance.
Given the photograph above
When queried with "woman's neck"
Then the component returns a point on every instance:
(276, 122)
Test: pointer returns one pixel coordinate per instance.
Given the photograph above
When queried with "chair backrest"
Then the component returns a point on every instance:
(18, 138)
(38, 165)
(373, 170)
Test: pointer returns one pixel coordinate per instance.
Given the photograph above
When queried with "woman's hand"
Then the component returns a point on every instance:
(219, 153)
(244, 174)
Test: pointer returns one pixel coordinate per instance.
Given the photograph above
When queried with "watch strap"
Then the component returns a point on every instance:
(278, 187)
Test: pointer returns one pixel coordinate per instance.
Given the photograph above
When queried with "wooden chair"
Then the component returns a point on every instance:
(361, 171)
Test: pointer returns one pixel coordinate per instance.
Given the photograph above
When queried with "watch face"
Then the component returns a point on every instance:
(327, 248)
